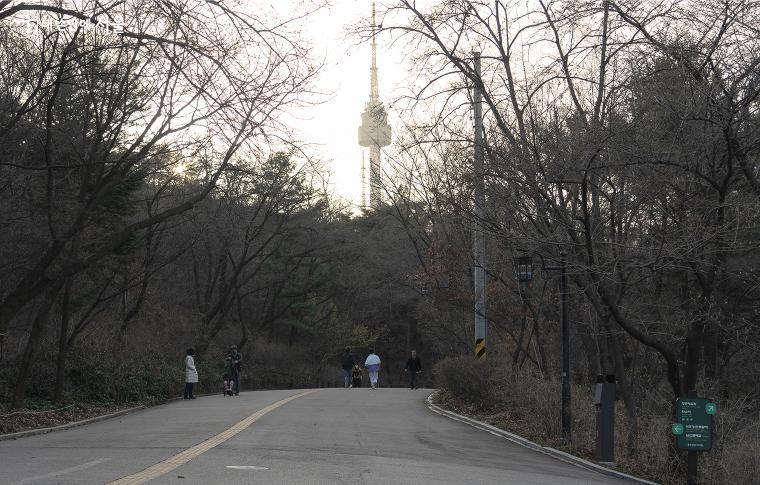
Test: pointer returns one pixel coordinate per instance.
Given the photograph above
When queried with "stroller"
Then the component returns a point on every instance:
(227, 387)
(356, 377)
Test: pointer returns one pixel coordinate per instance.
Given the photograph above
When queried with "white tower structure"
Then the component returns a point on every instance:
(374, 133)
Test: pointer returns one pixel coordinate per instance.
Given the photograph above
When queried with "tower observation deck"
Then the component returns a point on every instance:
(374, 132)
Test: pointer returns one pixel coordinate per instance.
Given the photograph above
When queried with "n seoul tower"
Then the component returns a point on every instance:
(374, 132)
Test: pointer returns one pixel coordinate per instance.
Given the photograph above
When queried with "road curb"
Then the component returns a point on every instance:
(61, 427)
(519, 440)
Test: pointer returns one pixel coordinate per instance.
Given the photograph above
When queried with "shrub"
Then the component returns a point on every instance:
(97, 374)
(467, 379)
(529, 405)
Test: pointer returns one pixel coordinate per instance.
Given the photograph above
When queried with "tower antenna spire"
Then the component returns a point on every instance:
(373, 93)
(374, 132)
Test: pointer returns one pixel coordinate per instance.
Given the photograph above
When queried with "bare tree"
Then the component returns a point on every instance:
(102, 119)
(608, 124)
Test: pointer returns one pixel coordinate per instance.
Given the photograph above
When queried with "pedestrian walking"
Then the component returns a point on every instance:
(413, 366)
(191, 375)
(347, 363)
(373, 367)
(237, 365)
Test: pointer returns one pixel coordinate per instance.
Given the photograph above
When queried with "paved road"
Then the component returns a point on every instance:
(332, 436)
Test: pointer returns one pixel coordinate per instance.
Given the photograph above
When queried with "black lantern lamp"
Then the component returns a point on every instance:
(541, 207)
(525, 269)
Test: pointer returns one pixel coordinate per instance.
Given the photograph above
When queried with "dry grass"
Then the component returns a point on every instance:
(527, 405)
(26, 419)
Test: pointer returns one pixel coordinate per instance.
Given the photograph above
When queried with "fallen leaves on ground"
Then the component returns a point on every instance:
(26, 419)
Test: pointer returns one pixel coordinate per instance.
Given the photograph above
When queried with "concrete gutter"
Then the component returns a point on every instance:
(32, 432)
(519, 440)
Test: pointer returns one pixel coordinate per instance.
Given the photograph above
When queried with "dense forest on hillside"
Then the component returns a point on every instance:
(152, 200)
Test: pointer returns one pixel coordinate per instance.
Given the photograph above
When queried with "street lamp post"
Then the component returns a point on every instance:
(566, 417)
(524, 276)
(566, 391)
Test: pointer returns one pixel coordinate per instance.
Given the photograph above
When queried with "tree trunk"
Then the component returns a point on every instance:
(693, 353)
(710, 342)
(626, 390)
(35, 337)
(63, 343)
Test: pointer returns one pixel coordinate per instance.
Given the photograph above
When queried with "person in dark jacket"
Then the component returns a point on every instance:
(347, 363)
(237, 364)
(413, 366)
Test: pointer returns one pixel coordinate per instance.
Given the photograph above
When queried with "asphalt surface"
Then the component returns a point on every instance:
(332, 436)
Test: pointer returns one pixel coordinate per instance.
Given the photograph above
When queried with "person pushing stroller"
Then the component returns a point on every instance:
(236, 358)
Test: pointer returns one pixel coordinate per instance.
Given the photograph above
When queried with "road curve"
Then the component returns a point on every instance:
(332, 436)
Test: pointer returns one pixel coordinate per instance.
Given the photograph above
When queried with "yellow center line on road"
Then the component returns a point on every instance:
(180, 459)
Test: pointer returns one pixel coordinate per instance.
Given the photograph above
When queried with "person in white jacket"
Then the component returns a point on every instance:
(373, 367)
(191, 375)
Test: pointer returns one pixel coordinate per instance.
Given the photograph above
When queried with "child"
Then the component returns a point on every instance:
(227, 376)
(356, 376)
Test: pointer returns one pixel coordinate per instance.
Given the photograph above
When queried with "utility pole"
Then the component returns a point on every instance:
(478, 240)
(566, 416)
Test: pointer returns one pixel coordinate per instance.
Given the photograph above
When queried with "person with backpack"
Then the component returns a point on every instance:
(413, 366)
(347, 364)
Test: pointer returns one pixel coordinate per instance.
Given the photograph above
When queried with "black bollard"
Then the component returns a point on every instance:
(604, 398)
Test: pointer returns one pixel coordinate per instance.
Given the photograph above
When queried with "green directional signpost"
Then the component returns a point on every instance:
(694, 429)
(693, 415)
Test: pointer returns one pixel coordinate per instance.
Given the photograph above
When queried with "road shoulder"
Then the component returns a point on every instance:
(519, 440)
(61, 427)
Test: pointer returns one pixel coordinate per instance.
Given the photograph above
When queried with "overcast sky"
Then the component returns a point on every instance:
(333, 125)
